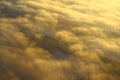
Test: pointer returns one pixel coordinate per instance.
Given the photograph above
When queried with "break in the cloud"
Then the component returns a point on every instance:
(59, 40)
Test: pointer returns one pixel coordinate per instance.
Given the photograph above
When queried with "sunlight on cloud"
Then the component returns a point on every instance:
(59, 40)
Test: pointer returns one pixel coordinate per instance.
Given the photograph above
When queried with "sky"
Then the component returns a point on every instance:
(59, 40)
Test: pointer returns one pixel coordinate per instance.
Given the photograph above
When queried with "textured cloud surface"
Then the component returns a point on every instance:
(59, 40)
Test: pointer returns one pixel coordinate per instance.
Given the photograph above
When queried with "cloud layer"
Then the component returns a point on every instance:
(59, 40)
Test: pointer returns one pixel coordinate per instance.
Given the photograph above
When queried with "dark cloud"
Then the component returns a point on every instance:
(9, 10)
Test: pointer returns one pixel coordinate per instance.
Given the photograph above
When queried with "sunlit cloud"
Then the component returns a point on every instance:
(59, 40)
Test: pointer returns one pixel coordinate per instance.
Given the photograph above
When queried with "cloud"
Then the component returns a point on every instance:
(59, 40)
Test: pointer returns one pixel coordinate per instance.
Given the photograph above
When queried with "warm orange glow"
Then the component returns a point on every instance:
(59, 39)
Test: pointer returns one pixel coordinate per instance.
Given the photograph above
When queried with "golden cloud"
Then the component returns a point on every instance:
(59, 40)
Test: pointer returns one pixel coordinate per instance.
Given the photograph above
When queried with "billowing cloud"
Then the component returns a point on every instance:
(59, 40)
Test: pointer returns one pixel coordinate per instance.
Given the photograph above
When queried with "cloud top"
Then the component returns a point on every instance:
(59, 40)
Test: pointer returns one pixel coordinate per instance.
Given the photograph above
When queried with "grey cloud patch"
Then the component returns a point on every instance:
(11, 1)
(59, 40)
(9, 10)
